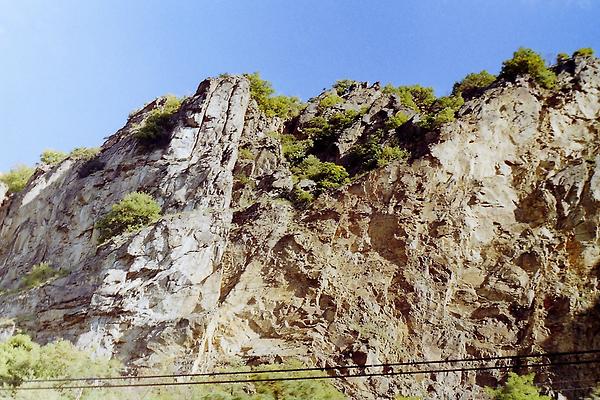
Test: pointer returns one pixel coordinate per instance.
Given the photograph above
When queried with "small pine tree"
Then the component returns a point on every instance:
(528, 62)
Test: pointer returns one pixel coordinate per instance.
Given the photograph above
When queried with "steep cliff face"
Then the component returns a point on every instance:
(485, 242)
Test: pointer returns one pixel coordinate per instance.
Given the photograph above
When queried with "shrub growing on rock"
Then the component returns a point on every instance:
(84, 153)
(16, 179)
(325, 174)
(471, 84)
(39, 275)
(52, 157)
(330, 100)
(156, 128)
(134, 212)
(584, 52)
(273, 106)
(396, 120)
(342, 86)
(528, 62)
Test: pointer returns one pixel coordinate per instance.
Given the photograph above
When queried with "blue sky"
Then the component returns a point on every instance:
(71, 70)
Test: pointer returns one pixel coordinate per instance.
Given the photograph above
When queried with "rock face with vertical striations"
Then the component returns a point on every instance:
(485, 242)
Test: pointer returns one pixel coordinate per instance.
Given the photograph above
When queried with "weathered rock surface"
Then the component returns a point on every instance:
(487, 244)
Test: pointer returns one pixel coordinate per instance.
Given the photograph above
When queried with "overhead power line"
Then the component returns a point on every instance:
(301, 378)
(332, 368)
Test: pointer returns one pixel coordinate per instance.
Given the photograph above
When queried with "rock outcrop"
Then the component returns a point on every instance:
(486, 242)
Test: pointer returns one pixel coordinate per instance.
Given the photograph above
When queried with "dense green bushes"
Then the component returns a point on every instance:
(273, 106)
(134, 212)
(473, 83)
(158, 124)
(373, 153)
(21, 359)
(330, 100)
(528, 62)
(52, 157)
(16, 179)
(584, 52)
(517, 388)
(415, 97)
(396, 120)
(326, 175)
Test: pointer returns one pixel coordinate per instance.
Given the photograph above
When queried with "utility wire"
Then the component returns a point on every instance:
(334, 368)
(298, 378)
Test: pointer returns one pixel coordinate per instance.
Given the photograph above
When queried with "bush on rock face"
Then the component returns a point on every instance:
(134, 212)
(528, 62)
(157, 126)
(273, 106)
(16, 179)
(472, 83)
(584, 52)
(517, 388)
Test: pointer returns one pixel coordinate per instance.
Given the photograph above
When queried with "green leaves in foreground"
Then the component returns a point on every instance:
(517, 388)
(134, 212)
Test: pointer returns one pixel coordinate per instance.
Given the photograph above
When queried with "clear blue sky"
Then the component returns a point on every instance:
(71, 71)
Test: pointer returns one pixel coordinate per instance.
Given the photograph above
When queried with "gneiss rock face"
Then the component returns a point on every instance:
(487, 243)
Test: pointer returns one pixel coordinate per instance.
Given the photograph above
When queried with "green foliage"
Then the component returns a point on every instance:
(400, 397)
(389, 154)
(373, 154)
(21, 359)
(52, 157)
(84, 153)
(134, 212)
(330, 100)
(295, 150)
(323, 131)
(246, 154)
(342, 86)
(562, 57)
(584, 52)
(39, 275)
(273, 106)
(16, 179)
(301, 198)
(156, 128)
(528, 62)
(517, 388)
(396, 120)
(325, 174)
(472, 83)
(415, 97)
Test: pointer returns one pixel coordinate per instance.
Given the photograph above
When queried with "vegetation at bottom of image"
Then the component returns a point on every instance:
(16, 179)
(472, 83)
(517, 387)
(584, 52)
(134, 212)
(157, 125)
(273, 106)
(39, 275)
(22, 360)
(343, 85)
(528, 62)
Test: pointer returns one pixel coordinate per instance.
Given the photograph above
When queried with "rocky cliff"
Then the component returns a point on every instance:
(485, 241)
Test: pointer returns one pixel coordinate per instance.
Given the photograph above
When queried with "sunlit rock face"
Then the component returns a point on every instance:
(484, 243)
